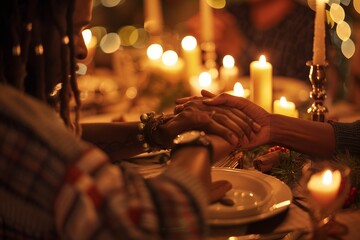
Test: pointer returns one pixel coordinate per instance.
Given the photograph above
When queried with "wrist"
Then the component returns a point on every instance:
(193, 139)
(150, 131)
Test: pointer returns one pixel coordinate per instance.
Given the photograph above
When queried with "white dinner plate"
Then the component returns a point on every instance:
(246, 197)
(279, 201)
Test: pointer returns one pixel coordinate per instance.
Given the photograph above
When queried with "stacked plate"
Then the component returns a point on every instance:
(254, 196)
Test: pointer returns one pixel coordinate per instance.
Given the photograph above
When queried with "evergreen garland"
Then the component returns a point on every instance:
(290, 165)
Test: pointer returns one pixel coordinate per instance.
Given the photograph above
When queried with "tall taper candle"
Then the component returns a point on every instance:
(207, 22)
(153, 17)
(319, 57)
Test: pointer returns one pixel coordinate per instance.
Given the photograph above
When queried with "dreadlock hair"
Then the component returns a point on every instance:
(37, 54)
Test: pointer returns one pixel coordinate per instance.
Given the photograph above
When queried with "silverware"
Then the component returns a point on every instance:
(273, 236)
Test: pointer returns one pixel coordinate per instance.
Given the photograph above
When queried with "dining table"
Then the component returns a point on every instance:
(292, 217)
(295, 216)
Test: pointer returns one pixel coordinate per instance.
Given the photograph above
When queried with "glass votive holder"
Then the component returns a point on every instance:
(326, 185)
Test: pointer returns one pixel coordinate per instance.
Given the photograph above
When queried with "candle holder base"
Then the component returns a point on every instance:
(317, 78)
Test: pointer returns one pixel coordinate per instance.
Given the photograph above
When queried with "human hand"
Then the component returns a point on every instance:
(250, 109)
(223, 119)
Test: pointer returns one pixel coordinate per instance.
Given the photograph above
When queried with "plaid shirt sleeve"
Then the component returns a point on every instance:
(102, 201)
(53, 185)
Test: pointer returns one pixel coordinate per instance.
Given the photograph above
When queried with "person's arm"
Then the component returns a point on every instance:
(309, 137)
(99, 200)
(313, 138)
(119, 140)
(347, 136)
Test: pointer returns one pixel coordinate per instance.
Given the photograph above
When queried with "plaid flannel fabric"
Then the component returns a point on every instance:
(53, 185)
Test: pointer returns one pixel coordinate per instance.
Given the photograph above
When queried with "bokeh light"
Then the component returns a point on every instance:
(356, 4)
(154, 51)
(82, 69)
(139, 38)
(189, 43)
(343, 30)
(111, 3)
(125, 33)
(169, 58)
(98, 32)
(228, 61)
(205, 79)
(337, 12)
(348, 48)
(131, 92)
(218, 4)
(346, 2)
(110, 43)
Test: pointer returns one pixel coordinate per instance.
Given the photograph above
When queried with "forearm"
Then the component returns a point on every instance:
(119, 140)
(312, 138)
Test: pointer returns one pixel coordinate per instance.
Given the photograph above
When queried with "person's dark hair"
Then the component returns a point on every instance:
(37, 53)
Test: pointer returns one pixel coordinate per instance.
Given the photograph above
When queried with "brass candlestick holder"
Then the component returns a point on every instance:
(317, 78)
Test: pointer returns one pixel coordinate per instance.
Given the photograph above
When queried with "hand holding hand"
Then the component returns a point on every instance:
(250, 109)
(225, 121)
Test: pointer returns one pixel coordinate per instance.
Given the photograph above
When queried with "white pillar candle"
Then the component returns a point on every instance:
(207, 21)
(228, 71)
(153, 17)
(324, 187)
(319, 34)
(261, 83)
(285, 107)
(192, 55)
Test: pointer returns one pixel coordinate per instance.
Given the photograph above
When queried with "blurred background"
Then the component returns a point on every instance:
(119, 76)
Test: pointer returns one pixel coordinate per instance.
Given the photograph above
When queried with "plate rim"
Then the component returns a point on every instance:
(282, 194)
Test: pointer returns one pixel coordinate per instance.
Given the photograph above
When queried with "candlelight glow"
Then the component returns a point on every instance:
(189, 43)
(262, 59)
(327, 177)
(228, 61)
(87, 35)
(239, 90)
(169, 58)
(283, 102)
(154, 51)
(89, 40)
(205, 79)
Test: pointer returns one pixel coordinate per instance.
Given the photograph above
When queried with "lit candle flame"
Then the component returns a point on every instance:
(327, 177)
(189, 43)
(228, 61)
(169, 58)
(205, 79)
(154, 51)
(262, 59)
(283, 102)
(239, 90)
